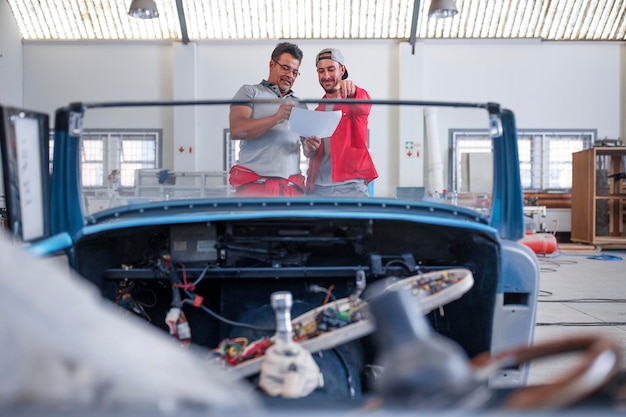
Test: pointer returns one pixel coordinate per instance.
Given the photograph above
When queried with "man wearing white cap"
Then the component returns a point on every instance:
(342, 165)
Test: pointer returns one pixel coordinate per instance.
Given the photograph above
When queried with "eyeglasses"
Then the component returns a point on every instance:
(287, 68)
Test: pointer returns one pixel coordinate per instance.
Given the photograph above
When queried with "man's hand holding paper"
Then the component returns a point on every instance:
(311, 145)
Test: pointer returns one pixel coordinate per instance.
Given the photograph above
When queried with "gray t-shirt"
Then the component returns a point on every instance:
(275, 153)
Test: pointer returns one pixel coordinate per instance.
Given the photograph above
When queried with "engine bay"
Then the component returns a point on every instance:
(218, 278)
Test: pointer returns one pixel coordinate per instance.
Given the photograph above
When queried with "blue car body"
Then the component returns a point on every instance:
(263, 245)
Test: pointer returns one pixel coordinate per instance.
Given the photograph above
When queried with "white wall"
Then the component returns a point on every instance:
(59, 73)
(547, 84)
(10, 58)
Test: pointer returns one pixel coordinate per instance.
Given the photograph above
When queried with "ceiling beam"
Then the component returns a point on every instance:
(414, 23)
(183, 22)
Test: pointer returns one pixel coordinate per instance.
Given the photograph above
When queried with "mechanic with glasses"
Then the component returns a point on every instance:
(269, 153)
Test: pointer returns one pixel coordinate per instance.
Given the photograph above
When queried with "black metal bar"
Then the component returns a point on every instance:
(182, 21)
(296, 272)
(305, 101)
(414, 25)
(245, 272)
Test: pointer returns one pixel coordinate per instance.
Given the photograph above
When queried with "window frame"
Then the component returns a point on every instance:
(112, 159)
(538, 174)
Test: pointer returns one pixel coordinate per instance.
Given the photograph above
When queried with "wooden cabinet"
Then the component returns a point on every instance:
(599, 196)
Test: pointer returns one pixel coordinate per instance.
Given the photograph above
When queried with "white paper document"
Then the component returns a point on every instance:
(314, 123)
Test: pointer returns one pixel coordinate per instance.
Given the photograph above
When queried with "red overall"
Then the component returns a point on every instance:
(248, 183)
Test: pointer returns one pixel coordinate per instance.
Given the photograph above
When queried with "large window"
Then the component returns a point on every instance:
(545, 157)
(109, 157)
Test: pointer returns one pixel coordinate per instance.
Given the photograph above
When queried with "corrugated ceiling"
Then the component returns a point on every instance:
(194, 20)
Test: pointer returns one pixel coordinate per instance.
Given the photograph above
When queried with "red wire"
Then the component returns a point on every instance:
(328, 292)
(189, 286)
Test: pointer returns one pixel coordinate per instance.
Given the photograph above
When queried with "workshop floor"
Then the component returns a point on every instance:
(580, 292)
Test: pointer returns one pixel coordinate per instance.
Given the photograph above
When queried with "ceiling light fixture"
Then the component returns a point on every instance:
(143, 9)
(442, 8)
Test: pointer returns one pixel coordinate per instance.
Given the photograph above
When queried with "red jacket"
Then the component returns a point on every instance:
(350, 157)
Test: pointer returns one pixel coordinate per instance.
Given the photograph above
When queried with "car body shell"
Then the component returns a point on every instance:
(262, 245)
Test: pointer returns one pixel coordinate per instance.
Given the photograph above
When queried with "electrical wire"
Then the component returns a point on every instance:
(319, 288)
(202, 274)
(549, 264)
(224, 319)
(586, 300)
(328, 294)
(599, 256)
(557, 262)
(401, 263)
(346, 366)
(584, 324)
(188, 287)
(544, 293)
(146, 303)
(606, 257)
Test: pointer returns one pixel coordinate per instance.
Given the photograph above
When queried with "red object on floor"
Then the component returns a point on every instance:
(540, 243)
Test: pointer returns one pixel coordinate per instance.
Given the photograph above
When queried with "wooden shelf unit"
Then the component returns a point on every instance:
(598, 200)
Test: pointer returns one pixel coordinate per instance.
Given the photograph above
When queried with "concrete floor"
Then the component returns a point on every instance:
(579, 294)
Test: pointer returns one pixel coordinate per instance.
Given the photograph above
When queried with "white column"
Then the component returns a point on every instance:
(623, 94)
(435, 164)
(11, 67)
